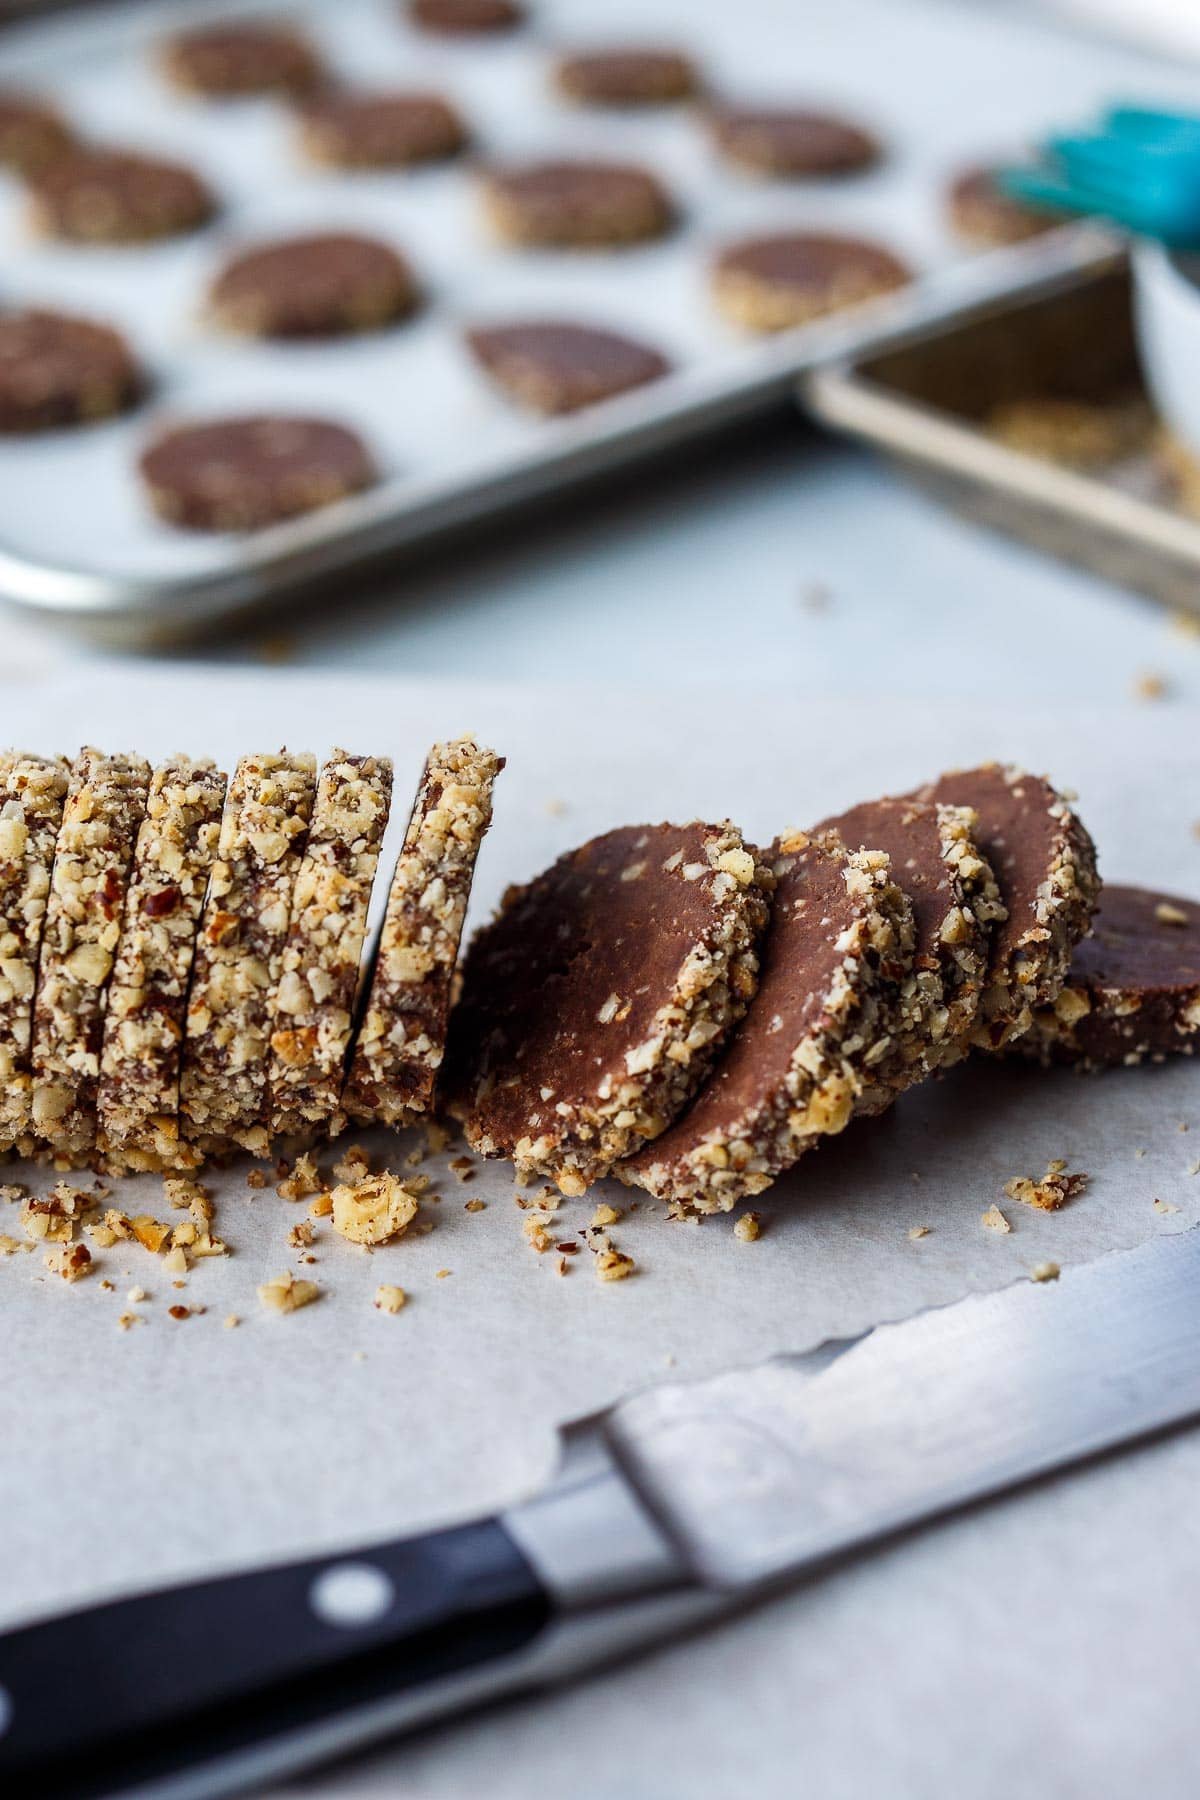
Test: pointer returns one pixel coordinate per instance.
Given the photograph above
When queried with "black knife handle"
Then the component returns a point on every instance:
(99, 1702)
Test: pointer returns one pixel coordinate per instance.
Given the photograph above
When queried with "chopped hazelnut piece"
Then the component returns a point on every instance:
(614, 1265)
(918, 1231)
(285, 1294)
(748, 1227)
(256, 1179)
(1045, 1271)
(605, 1214)
(994, 1220)
(389, 1298)
(1054, 1189)
(474, 1206)
(303, 1181)
(375, 1210)
(71, 1261)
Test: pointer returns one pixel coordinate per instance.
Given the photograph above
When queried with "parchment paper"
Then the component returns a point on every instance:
(1044, 1643)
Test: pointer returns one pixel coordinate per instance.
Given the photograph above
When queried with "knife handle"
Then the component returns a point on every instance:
(140, 1691)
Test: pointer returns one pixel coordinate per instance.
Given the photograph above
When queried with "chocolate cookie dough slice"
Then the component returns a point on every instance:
(400, 1043)
(380, 131)
(1133, 991)
(313, 287)
(57, 370)
(138, 1097)
(235, 58)
(955, 903)
(576, 205)
(627, 77)
(983, 214)
(465, 18)
(93, 196)
(32, 131)
(787, 141)
(32, 791)
(773, 283)
(239, 952)
(102, 814)
(797, 1066)
(551, 366)
(242, 474)
(594, 1003)
(1045, 865)
(313, 1010)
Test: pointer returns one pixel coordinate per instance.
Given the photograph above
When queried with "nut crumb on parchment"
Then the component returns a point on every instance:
(1054, 1190)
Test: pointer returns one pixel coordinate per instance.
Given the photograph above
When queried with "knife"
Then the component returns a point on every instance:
(671, 1508)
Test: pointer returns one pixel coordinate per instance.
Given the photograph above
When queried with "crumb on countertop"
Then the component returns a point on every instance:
(1054, 1189)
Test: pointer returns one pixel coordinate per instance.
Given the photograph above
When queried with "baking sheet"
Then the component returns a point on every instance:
(942, 85)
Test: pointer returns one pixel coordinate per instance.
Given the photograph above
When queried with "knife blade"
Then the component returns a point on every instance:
(665, 1511)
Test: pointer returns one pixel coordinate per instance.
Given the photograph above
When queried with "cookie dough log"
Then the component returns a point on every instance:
(401, 1041)
(314, 1002)
(795, 1069)
(239, 953)
(955, 903)
(1045, 865)
(1133, 991)
(595, 1002)
(138, 1097)
(93, 856)
(32, 791)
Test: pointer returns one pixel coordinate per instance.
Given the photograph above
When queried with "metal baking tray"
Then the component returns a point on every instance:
(943, 85)
(928, 391)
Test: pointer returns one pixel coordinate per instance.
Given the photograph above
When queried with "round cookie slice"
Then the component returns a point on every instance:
(313, 287)
(380, 131)
(240, 474)
(629, 77)
(236, 58)
(32, 132)
(91, 196)
(794, 1071)
(982, 213)
(576, 205)
(787, 141)
(595, 1001)
(955, 903)
(57, 370)
(773, 283)
(552, 366)
(1133, 991)
(465, 18)
(1045, 867)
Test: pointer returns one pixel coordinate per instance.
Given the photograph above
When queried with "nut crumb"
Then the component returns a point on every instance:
(1045, 1271)
(605, 1214)
(256, 1179)
(1054, 1189)
(71, 1261)
(748, 1227)
(231, 1321)
(303, 1180)
(1164, 1207)
(918, 1231)
(374, 1210)
(1166, 914)
(614, 1265)
(994, 1219)
(474, 1206)
(1149, 686)
(301, 1236)
(389, 1298)
(128, 1319)
(442, 1274)
(285, 1294)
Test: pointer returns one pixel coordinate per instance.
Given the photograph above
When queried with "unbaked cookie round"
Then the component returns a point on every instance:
(239, 474)
(59, 370)
(771, 283)
(32, 132)
(231, 59)
(788, 141)
(93, 196)
(576, 205)
(380, 131)
(457, 18)
(629, 77)
(982, 213)
(312, 287)
(553, 366)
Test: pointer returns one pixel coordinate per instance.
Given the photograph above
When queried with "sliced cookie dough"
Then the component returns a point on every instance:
(1133, 991)
(93, 856)
(138, 1097)
(313, 1011)
(576, 205)
(380, 131)
(955, 903)
(465, 18)
(94, 196)
(235, 58)
(58, 370)
(552, 366)
(401, 1041)
(787, 141)
(595, 1002)
(243, 474)
(313, 287)
(773, 283)
(627, 77)
(32, 791)
(982, 213)
(1045, 866)
(798, 1064)
(32, 131)
(239, 952)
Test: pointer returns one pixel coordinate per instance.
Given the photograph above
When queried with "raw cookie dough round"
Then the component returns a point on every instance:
(982, 213)
(1045, 866)
(1133, 991)
(32, 132)
(465, 17)
(595, 1001)
(380, 131)
(555, 367)
(771, 283)
(238, 474)
(627, 77)
(58, 370)
(793, 1071)
(91, 196)
(230, 59)
(576, 205)
(308, 287)
(787, 141)
(955, 903)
